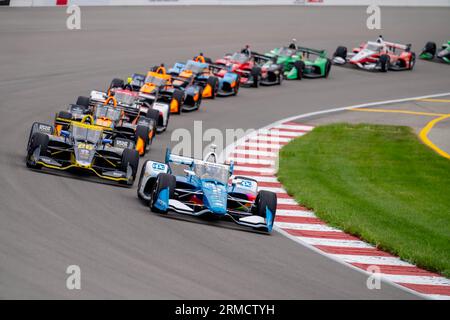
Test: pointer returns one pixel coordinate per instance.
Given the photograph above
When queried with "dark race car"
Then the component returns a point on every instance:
(83, 147)
(254, 69)
(214, 79)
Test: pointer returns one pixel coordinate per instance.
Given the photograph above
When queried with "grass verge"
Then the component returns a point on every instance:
(378, 183)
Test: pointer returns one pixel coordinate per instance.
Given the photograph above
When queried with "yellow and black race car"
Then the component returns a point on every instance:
(82, 147)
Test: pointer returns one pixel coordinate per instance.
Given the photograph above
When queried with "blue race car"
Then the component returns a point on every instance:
(206, 189)
(215, 80)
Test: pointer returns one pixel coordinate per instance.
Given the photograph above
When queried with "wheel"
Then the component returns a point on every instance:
(266, 199)
(154, 115)
(38, 139)
(116, 83)
(178, 96)
(164, 181)
(130, 157)
(256, 75)
(64, 115)
(280, 76)
(199, 101)
(412, 62)
(341, 52)
(214, 83)
(385, 62)
(430, 47)
(327, 68)
(142, 138)
(83, 101)
(141, 176)
(236, 87)
(300, 66)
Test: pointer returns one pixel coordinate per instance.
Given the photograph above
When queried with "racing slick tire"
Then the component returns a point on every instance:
(154, 115)
(116, 83)
(385, 62)
(83, 101)
(300, 66)
(130, 157)
(280, 76)
(327, 68)
(164, 180)
(38, 139)
(266, 199)
(236, 87)
(64, 115)
(430, 47)
(340, 52)
(256, 75)
(412, 62)
(214, 83)
(178, 95)
(142, 139)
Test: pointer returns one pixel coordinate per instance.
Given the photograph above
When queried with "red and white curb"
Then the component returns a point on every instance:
(256, 156)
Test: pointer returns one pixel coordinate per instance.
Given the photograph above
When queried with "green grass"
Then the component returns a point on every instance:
(379, 183)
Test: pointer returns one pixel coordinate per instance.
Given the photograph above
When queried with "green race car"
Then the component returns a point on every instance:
(429, 52)
(302, 62)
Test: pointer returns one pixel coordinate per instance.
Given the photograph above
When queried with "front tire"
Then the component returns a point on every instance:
(256, 75)
(164, 181)
(266, 200)
(38, 140)
(130, 157)
(299, 66)
(385, 63)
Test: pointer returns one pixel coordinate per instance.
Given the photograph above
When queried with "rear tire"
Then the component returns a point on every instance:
(64, 115)
(142, 132)
(341, 52)
(130, 157)
(38, 139)
(300, 66)
(116, 83)
(385, 62)
(430, 47)
(163, 181)
(83, 101)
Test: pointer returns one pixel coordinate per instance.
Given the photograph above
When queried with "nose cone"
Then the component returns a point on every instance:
(84, 156)
(215, 197)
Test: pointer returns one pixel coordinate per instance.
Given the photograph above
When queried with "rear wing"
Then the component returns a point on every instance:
(261, 57)
(173, 158)
(393, 46)
(321, 53)
(187, 161)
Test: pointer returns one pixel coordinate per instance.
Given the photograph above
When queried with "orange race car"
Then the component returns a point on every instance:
(185, 96)
(116, 123)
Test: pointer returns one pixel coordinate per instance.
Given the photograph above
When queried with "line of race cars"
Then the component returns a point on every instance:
(106, 133)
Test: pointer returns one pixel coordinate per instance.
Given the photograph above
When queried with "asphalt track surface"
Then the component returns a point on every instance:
(48, 222)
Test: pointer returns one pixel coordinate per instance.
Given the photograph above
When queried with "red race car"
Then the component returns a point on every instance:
(378, 55)
(254, 69)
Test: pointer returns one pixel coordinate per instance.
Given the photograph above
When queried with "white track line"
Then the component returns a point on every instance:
(305, 226)
(336, 242)
(295, 213)
(434, 281)
(272, 139)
